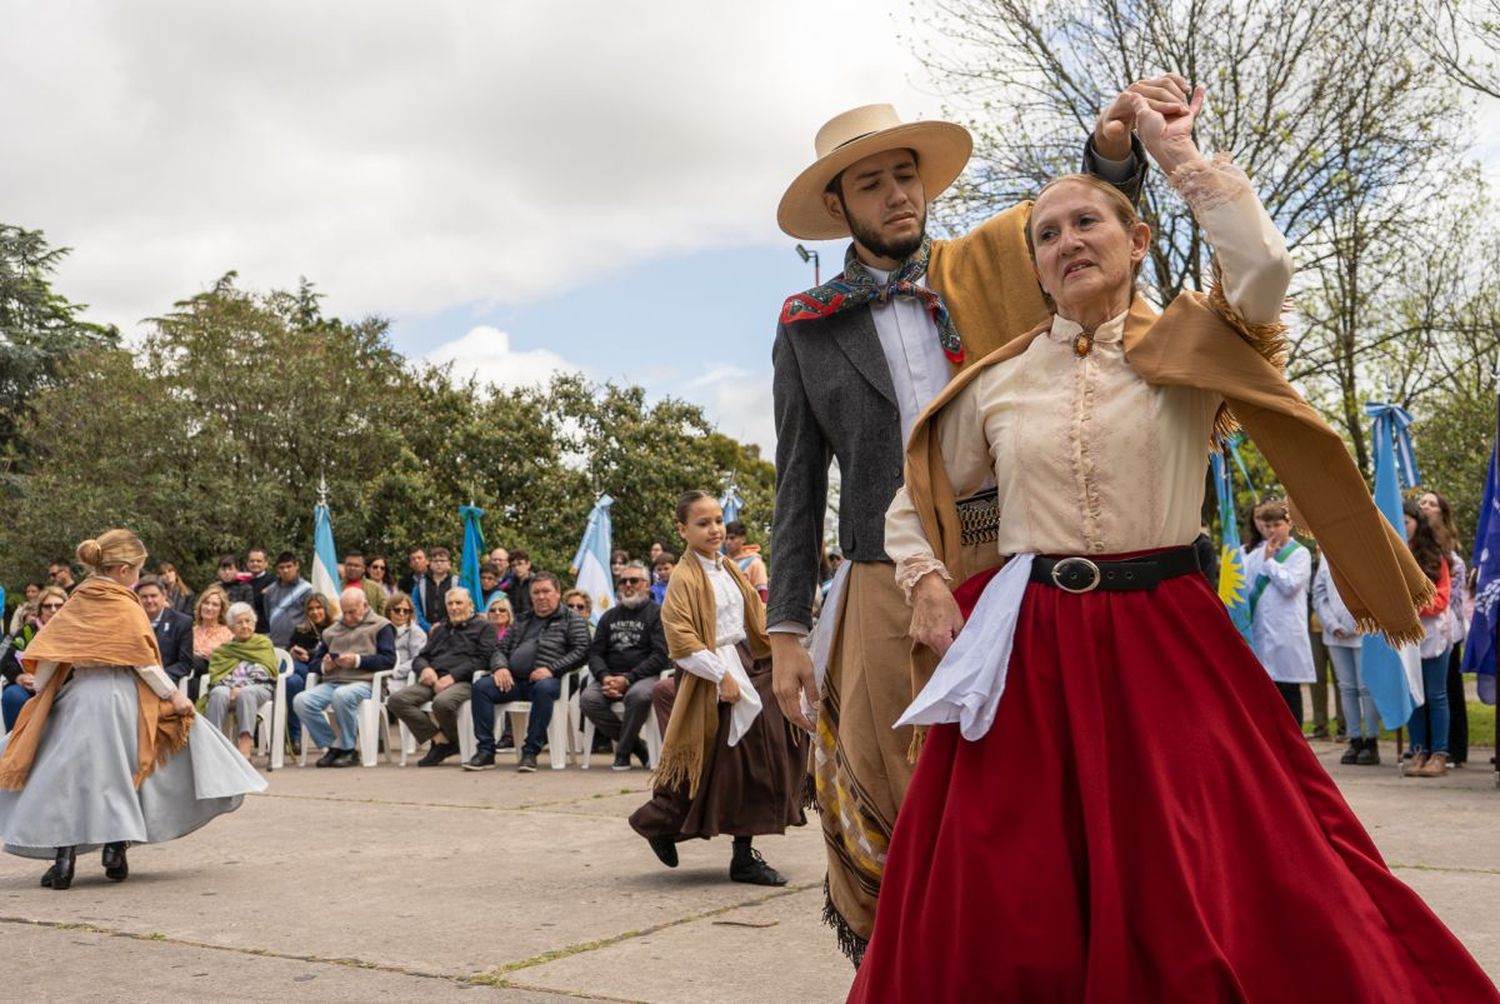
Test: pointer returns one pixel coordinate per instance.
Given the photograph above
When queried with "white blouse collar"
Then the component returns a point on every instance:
(1112, 330)
(714, 564)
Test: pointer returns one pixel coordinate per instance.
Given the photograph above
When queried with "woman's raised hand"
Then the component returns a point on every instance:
(1167, 94)
(1167, 129)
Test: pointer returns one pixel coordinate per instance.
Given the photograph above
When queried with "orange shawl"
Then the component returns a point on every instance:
(102, 624)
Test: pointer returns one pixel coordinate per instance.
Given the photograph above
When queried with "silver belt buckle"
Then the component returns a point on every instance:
(1059, 569)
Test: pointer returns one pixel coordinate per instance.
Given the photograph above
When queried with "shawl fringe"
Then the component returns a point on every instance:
(918, 740)
(1268, 340)
(850, 943)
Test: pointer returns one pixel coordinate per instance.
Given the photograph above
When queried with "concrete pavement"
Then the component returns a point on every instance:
(406, 884)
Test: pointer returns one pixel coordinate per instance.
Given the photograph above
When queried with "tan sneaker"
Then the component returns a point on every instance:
(1436, 766)
(1413, 767)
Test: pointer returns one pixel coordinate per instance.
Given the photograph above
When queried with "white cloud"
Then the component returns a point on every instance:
(410, 157)
(738, 401)
(485, 352)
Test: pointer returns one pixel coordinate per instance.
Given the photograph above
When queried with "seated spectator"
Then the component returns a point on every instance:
(459, 647)
(520, 583)
(500, 558)
(626, 658)
(241, 673)
(379, 573)
(617, 560)
(747, 556)
(282, 601)
(210, 630)
(661, 570)
(20, 686)
(581, 603)
(173, 630)
(499, 613)
(545, 645)
(489, 584)
(657, 547)
(60, 572)
(353, 575)
(354, 648)
(26, 611)
(236, 584)
(317, 614)
(259, 576)
(410, 638)
(179, 596)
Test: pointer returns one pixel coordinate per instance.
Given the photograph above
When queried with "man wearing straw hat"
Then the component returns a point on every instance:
(856, 361)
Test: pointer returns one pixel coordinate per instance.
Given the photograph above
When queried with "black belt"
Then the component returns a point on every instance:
(1084, 575)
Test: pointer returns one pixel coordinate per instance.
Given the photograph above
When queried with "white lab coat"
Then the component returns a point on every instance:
(1278, 629)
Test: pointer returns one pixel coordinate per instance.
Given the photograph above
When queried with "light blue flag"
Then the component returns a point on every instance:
(1386, 671)
(474, 554)
(325, 566)
(591, 563)
(1234, 590)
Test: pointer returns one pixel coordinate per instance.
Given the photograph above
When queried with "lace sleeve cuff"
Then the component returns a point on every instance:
(1209, 184)
(910, 570)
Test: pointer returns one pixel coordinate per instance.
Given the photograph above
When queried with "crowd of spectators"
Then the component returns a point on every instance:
(438, 652)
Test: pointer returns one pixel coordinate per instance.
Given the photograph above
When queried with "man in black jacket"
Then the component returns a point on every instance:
(458, 648)
(626, 657)
(174, 631)
(541, 648)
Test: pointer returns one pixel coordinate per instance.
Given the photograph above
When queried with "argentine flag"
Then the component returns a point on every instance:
(1234, 590)
(1393, 676)
(325, 578)
(591, 563)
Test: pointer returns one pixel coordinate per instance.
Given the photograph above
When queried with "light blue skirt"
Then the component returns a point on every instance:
(80, 791)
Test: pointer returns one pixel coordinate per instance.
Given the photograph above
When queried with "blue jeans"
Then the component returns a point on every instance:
(542, 695)
(296, 682)
(14, 696)
(1359, 706)
(345, 698)
(1429, 723)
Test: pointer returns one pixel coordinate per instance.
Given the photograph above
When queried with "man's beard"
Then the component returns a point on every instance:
(875, 244)
(635, 602)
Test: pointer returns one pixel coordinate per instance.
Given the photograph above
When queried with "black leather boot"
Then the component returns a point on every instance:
(116, 868)
(60, 875)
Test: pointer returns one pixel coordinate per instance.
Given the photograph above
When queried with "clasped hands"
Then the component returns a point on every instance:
(1162, 111)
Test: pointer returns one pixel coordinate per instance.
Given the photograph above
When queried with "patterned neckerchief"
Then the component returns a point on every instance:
(857, 286)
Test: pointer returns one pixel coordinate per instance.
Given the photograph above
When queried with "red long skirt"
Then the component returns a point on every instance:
(1144, 822)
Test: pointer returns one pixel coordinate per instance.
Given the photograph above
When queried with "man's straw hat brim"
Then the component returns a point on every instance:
(942, 150)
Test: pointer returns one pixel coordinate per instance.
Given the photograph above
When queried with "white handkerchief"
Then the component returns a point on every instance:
(967, 684)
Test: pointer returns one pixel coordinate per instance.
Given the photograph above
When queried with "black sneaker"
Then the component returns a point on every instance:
(328, 757)
(665, 849)
(480, 761)
(528, 764)
(437, 753)
(346, 758)
(752, 868)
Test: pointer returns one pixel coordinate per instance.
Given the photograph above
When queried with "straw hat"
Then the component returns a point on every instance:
(942, 151)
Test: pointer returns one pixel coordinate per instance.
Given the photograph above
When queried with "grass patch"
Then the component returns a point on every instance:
(1481, 725)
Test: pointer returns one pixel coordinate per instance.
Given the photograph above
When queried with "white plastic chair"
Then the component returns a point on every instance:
(560, 730)
(369, 716)
(650, 732)
(466, 741)
(270, 719)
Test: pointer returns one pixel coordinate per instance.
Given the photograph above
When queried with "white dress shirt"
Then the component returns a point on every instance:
(729, 631)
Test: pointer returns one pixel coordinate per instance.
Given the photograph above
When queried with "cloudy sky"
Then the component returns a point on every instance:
(519, 187)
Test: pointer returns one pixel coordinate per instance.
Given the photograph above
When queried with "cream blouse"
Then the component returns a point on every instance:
(1088, 458)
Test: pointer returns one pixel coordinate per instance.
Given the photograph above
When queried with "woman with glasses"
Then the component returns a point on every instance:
(379, 573)
(19, 684)
(410, 637)
(500, 614)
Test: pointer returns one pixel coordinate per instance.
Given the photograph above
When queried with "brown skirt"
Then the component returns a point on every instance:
(750, 789)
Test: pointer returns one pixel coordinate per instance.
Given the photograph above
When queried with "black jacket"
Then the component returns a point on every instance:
(174, 636)
(437, 594)
(629, 643)
(562, 646)
(459, 651)
(519, 592)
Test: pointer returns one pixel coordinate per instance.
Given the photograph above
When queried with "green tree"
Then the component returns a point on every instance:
(40, 330)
